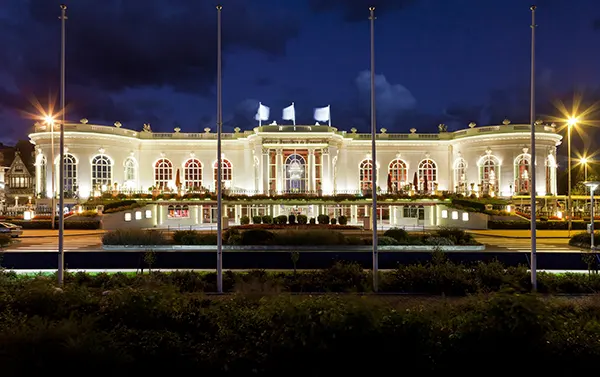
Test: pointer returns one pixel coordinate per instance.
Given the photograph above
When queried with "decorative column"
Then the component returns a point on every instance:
(326, 176)
(311, 170)
(353, 214)
(279, 174)
(264, 172)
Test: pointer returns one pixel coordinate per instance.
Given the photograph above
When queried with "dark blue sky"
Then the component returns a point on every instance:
(437, 61)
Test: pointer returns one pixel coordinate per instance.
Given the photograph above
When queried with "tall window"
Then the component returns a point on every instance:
(70, 174)
(489, 174)
(192, 174)
(130, 166)
(163, 173)
(365, 175)
(399, 174)
(226, 171)
(522, 177)
(296, 178)
(460, 175)
(427, 175)
(101, 171)
(551, 175)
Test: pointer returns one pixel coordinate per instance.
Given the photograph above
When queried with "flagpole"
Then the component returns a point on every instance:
(374, 155)
(259, 114)
(219, 167)
(532, 163)
(61, 169)
(329, 121)
(294, 117)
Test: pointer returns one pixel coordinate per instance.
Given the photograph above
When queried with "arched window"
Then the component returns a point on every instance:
(163, 173)
(40, 173)
(550, 175)
(70, 175)
(296, 177)
(522, 177)
(130, 172)
(489, 174)
(460, 175)
(101, 171)
(427, 175)
(226, 171)
(192, 174)
(365, 175)
(399, 174)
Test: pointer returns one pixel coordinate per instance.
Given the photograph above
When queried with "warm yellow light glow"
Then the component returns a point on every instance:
(583, 160)
(572, 121)
(49, 120)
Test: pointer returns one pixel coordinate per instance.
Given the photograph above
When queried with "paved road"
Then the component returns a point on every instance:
(544, 245)
(73, 242)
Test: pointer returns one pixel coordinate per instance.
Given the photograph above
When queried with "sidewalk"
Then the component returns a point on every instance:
(38, 233)
(508, 233)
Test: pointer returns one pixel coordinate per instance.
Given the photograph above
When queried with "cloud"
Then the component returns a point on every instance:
(114, 45)
(358, 10)
(392, 100)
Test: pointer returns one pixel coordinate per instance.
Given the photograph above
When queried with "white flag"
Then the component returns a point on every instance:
(262, 113)
(322, 114)
(289, 113)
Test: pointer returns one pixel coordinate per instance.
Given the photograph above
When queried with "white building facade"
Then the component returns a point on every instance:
(320, 160)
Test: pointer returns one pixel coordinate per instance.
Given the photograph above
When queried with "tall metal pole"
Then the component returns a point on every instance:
(585, 172)
(219, 163)
(569, 202)
(374, 154)
(532, 163)
(61, 169)
(53, 174)
(592, 189)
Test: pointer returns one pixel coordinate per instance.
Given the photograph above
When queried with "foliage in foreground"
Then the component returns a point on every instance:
(440, 276)
(147, 329)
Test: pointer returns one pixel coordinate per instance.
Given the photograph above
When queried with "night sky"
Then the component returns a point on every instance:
(437, 61)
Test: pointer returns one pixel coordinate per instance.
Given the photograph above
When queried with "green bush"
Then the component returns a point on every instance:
(333, 221)
(120, 203)
(583, 240)
(256, 219)
(398, 234)
(135, 237)
(386, 241)
(302, 219)
(267, 219)
(5, 239)
(438, 241)
(312, 221)
(282, 219)
(291, 219)
(257, 237)
(193, 237)
(456, 235)
(342, 220)
(244, 220)
(323, 219)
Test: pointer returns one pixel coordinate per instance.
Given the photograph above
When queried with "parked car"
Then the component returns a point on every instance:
(12, 229)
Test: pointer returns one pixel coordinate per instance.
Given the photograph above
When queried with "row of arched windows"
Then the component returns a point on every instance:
(398, 174)
(164, 176)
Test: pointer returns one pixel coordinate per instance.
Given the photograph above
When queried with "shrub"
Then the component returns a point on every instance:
(5, 240)
(342, 220)
(398, 234)
(267, 219)
(282, 219)
(583, 240)
(291, 219)
(323, 219)
(244, 220)
(256, 219)
(312, 221)
(386, 241)
(232, 236)
(438, 241)
(134, 237)
(192, 237)
(257, 237)
(119, 203)
(302, 219)
(457, 236)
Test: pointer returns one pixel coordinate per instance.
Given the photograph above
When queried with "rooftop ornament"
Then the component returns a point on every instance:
(83, 121)
(472, 125)
(413, 130)
(506, 121)
(353, 130)
(237, 130)
(118, 124)
(442, 127)
(147, 127)
(383, 130)
(207, 130)
(176, 129)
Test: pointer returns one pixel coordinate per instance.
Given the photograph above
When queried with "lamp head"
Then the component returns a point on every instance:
(572, 121)
(593, 185)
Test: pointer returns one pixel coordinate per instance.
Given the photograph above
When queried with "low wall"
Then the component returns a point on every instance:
(456, 218)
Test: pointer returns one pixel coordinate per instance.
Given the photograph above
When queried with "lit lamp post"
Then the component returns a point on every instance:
(593, 185)
(584, 161)
(49, 121)
(570, 124)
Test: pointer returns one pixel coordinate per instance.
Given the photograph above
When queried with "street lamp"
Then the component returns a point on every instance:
(593, 185)
(584, 161)
(571, 122)
(49, 121)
